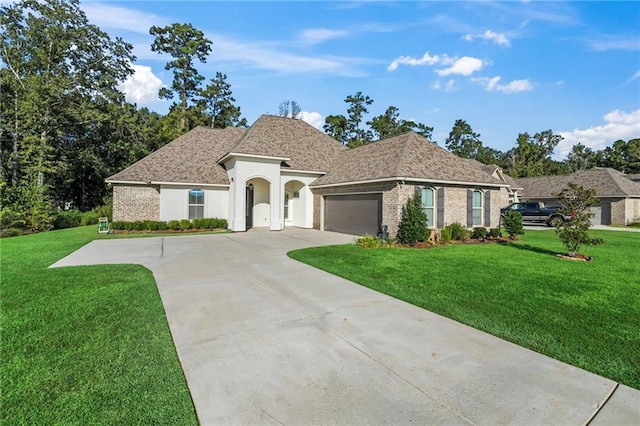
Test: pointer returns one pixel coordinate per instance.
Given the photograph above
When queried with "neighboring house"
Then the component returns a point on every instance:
(634, 177)
(619, 196)
(283, 172)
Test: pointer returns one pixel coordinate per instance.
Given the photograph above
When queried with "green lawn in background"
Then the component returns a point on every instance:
(583, 313)
(84, 345)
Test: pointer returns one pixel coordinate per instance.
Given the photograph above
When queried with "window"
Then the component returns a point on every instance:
(428, 205)
(477, 208)
(196, 204)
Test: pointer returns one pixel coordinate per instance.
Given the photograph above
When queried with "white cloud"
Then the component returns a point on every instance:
(123, 18)
(463, 66)
(142, 87)
(313, 118)
(496, 38)
(320, 35)
(618, 125)
(409, 60)
(607, 43)
(262, 55)
(513, 86)
(633, 78)
(449, 86)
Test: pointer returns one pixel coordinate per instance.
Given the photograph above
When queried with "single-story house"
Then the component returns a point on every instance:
(619, 196)
(283, 172)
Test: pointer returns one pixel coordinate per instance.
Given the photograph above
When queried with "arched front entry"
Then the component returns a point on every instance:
(257, 203)
(297, 204)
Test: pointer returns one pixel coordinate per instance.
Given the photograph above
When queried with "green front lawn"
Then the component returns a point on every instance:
(84, 345)
(584, 313)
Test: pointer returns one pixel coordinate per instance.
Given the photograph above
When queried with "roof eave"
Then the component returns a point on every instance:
(241, 155)
(410, 179)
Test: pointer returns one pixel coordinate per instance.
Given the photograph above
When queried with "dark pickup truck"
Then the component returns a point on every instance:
(536, 212)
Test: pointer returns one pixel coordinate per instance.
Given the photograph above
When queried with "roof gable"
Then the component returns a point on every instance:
(407, 155)
(191, 158)
(306, 147)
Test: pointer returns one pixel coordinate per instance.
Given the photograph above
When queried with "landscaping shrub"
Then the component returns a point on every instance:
(479, 233)
(11, 219)
(513, 224)
(413, 225)
(495, 232)
(445, 234)
(90, 218)
(67, 219)
(10, 232)
(185, 224)
(117, 225)
(174, 225)
(458, 232)
(368, 241)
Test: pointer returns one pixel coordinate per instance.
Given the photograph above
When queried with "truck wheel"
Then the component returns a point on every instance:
(555, 221)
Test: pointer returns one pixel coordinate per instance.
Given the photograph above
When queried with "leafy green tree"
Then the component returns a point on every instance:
(463, 141)
(574, 231)
(413, 224)
(581, 158)
(184, 43)
(218, 103)
(358, 104)
(390, 124)
(60, 75)
(336, 127)
(532, 151)
(622, 156)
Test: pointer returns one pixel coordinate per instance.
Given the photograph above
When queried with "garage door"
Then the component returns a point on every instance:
(356, 214)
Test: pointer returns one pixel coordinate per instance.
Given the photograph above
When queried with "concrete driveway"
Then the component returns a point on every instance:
(264, 339)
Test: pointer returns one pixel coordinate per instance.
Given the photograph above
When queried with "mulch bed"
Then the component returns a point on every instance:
(423, 245)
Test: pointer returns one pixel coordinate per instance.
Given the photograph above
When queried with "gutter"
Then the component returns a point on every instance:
(417, 180)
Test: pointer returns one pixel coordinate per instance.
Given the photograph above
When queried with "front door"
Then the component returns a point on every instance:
(249, 207)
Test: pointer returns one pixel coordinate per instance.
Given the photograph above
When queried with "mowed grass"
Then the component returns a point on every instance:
(583, 313)
(84, 345)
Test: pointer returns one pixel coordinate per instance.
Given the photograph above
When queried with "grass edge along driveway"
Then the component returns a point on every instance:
(84, 345)
(586, 314)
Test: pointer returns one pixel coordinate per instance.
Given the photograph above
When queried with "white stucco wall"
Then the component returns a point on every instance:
(174, 202)
(301, 209)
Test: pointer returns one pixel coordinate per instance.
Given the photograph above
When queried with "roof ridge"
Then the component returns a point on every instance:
(403, 151)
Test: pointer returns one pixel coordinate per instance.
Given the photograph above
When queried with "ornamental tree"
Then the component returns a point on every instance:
(573, 231)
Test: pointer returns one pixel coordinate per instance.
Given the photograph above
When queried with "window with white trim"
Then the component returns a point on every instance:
(428, 205)
(477, 208)
(196, 204)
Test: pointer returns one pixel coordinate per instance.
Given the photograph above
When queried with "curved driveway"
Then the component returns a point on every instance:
(264, 339)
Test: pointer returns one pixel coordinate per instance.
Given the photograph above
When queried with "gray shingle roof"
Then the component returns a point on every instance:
(306, 147)
(608, 183)
(191, 158)
(408, 155)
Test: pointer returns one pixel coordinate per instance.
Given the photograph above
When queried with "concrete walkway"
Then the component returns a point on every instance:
(264, 339)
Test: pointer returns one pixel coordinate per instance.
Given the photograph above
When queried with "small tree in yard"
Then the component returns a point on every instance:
(413, 225)
(513, 224)
(573, 231)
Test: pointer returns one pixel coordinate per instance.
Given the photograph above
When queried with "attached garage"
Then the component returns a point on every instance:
(355, 214)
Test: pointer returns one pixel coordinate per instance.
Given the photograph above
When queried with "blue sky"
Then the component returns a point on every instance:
(504, 67)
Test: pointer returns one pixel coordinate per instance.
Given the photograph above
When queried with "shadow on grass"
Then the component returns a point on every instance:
(534, 249)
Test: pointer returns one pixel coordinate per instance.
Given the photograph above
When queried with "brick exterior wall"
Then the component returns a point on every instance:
(136, 202)
(395, 195)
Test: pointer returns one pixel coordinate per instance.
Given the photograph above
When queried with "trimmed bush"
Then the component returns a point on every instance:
(185, 224)
(117, 225)
(413, 225)
(10, 232)
(512, 223)
(368, 241)
(479, 233)
(495, 232)
(174, 225)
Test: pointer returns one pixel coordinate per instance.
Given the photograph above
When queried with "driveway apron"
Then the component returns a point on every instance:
(264, 339)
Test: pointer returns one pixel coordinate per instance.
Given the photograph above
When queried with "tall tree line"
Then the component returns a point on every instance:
(64, 124)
